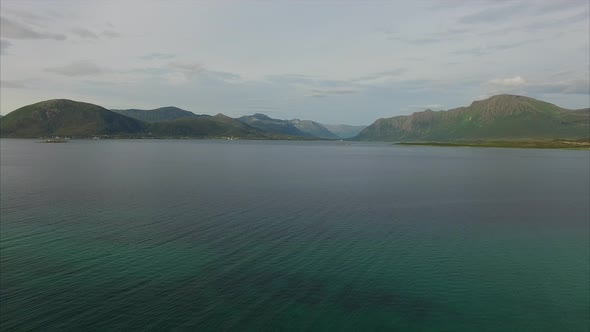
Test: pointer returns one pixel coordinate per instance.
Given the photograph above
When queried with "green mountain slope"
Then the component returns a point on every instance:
(499, 117)
(62, 117)
(314, 129)
(344, 131)
(270, 125)
(159, 114)
(204, 126)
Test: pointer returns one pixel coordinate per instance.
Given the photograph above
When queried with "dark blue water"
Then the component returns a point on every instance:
(219, 235)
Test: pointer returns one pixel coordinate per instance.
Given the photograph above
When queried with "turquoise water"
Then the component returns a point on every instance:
(215, 235)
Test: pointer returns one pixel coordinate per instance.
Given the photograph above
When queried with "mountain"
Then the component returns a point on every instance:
(158, 114)
(312, 128)
(503, 117)
(499, 117)
(582, 111)
(62, 117)
(204, 126)
(270, 125)
(344, 131)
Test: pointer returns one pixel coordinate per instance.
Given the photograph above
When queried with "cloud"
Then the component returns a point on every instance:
(189, 70)
(17, 30)
(489, 49)
(4, 45)
(321, 93)
(418, 108)
(476, 51)
(157, 56)
(224, 76)
(441, 35)
(416, 41)
(318, 87)
(84, 33)
(507, 46)
(36, 19)
(579, 86)
(515, 81)
(541, 23)
(321, 87)
(560, 5)
(177, 73)
(290, 79)
(78, 68)
(436, 107)
(493, 14)
(379, 77)
(518, 84)
(12, 84)
(425, 40)
(262, 108)
(456, 4)
(546, 23)
(111, 34)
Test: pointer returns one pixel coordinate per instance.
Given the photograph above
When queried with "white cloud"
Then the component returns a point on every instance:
(157, 56)
(84, 33)
(380, 78)
(78, 68)
(188, 69)
(4, 45)
(519, 85)
(433, 107)
(111, 34)
(207, 57)
(12, 84)
(516, 81)
(320, 93)
(17, 30)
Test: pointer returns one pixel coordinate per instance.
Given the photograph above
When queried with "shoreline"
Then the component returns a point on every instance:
(581, 144)
(557, 144)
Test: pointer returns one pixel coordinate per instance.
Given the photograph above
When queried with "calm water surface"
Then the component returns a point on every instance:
(216, 235)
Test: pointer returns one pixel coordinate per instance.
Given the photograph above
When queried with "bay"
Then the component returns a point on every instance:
(272, 235)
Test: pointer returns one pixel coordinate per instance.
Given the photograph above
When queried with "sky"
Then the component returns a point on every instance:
(345, 62)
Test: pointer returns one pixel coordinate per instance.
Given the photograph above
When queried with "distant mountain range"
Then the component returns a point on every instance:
(159, 114)
(62, 117)
(502, 117)
(344, 131)
(206, 126)
(313, 128)
(275, 126)
(295, 127)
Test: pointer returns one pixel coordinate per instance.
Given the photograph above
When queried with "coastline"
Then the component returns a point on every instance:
(581, 144)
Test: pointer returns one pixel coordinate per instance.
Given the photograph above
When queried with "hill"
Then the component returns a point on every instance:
(62, 117)
(344, 131)
(159, 114)
(274, 126)
(204, 126)
(314, 129)
(504, 117)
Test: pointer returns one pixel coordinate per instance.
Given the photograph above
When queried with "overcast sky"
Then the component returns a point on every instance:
(334, 62)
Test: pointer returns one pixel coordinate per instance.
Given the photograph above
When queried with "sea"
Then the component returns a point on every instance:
(216, 235)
